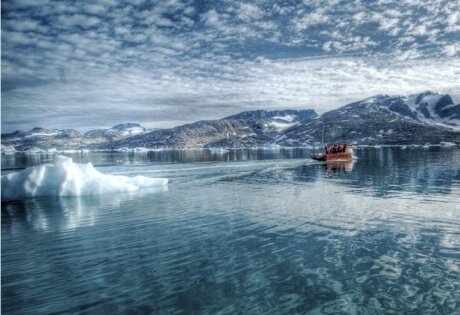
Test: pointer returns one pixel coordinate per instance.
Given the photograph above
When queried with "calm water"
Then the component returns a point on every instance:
(251, 232)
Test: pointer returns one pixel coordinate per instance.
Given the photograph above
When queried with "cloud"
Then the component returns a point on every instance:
(248, 12)
(314, 18)
(78, 20)
(160, 61)
(168, 95)
(452, 50)
(212, 18)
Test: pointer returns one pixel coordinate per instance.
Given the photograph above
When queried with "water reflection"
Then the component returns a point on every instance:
(282, 236)
(232, 247)
(388, 172)
(339, 166)
(162, 156)
(49, 214)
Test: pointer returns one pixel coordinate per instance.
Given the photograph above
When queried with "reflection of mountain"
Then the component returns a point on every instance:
(386, 171)
(424, 118)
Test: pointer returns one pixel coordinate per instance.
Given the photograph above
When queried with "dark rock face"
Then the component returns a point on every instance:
(418, 119)
(398, 106)
(243, 130)
(378, 120)
(212, 133)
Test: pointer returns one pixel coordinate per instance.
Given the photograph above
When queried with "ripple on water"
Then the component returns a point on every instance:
(269, 237)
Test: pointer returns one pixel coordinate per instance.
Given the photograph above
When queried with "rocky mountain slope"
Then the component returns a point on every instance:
(382, 119)
(243, 130)
(70, 139)
(417, 119)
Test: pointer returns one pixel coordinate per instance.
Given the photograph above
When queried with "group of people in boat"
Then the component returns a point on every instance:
(335, 148)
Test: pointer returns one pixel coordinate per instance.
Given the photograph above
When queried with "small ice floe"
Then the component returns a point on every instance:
(35, 150)
(271, 147)
(74, 151)
(218, 150)
(62, 177)
(446, 144)
(132, 150)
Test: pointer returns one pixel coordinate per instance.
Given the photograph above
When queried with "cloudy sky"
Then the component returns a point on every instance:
(86, 64)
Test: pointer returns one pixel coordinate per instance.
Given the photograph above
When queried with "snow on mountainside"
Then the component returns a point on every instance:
(429, 107)
(39, 139)
(120, 130)
(434, 108)
(289, 115)
(244, 130)
(275, 121)
(416, 119)
(382, 119)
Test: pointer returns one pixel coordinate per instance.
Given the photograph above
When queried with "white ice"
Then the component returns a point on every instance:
(281, 126)
(8, 149)
(62, 177)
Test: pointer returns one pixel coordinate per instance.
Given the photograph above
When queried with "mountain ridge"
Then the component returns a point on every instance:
(427, 117)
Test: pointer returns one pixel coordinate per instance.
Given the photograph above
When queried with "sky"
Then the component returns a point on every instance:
(93, 64)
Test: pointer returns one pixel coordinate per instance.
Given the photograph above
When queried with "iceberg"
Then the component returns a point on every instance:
(62, 177)
(35, 150)
(218, 150)
(447, 144)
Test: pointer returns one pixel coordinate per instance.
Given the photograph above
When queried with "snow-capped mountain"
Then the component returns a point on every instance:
(63, 139)
(120, 130)
(246, 129)
(429, 107)
(275, 121)
(416, 119)
(287, 115)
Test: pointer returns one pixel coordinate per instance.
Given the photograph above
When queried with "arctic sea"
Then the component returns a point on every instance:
(242, 232)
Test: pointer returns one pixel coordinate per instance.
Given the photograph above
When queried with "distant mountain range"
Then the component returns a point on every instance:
(380, 120)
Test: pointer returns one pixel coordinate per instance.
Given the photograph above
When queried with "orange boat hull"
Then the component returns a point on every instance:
(333, 157)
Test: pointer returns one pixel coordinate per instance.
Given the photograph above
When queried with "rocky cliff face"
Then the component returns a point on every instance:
(417, 119)
(243, 130)
(381, 120)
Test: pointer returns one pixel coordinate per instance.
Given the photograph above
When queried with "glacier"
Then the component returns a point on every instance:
(63, 177)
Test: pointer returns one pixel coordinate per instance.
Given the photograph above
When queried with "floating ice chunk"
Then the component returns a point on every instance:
(62, 177)
(271, 147)
(447, 144)
(218, 150)
(132, 150)
(35, 150)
